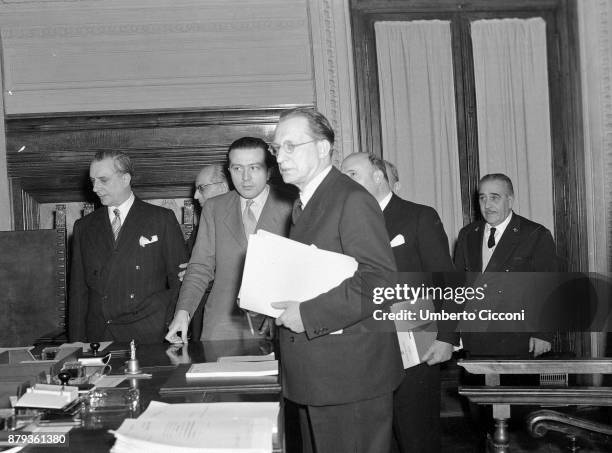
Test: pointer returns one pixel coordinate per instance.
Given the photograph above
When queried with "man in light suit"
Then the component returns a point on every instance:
(419, 244)
(125, 258)
(503, 242)
(335, 365)
(220, 249)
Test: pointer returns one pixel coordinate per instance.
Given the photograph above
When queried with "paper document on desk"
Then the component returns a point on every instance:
(232, 369)
(202, 427)
(278, 269)
(247, 358)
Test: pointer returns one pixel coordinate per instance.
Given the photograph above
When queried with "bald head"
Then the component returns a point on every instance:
(210, 182)
(369, 171)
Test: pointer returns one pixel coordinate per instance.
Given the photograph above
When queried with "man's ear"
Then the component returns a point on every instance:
(378, 176)
(127, 178)
(324, 147)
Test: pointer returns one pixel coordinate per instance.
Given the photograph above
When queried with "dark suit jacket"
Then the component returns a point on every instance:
(525, 246)
(425, 247)
(219, 254)
(360, 363)
(123, 291)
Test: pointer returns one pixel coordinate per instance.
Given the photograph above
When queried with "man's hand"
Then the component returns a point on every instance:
(180, 323)
(438, 352)
(291, 317)
(538, 347)
(181, 274)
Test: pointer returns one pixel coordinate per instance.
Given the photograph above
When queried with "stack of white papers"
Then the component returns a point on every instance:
(48, 396)
(247, 358)
(233, 369)
(278, 269)
(201, 427)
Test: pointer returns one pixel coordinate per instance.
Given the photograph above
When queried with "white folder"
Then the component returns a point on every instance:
(278, 269)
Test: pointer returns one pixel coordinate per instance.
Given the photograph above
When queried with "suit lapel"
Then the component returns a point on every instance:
(474, 247)
(507, 244)
(270, 214)
(315, 207)
(101, 235)
(131, 225)
(233, 220)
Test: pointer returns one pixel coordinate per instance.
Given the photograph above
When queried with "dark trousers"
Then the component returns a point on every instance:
(416, 411)
(358, 427)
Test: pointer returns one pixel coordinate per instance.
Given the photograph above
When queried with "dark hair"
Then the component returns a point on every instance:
(121, 161)
(319, 126)
(253, 142)
(498, 177)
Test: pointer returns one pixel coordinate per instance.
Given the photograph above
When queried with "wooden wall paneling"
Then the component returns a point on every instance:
(49, 156)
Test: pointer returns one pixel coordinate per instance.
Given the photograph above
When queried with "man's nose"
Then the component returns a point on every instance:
(246, 174)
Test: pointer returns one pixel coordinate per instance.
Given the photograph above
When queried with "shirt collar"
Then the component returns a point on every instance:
(124, 208)
(258, 202)
(311, 187)
(499, 229)
(385, 201)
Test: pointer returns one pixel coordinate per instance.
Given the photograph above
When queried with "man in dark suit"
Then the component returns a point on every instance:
(125, 258)
(335, 365)
(419, 245)
(503, 242)
(220, 249)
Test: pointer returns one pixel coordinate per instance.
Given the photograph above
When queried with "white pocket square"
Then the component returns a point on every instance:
(144, 241)
(398, 240)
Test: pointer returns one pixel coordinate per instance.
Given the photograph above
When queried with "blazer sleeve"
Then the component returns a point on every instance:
(201, 269)
(174, 253)
(435, 256)
(78, 297)
(433, 243)
(363, 235)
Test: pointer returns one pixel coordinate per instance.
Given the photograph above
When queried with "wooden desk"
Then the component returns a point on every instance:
(501, 398)
(160, 360)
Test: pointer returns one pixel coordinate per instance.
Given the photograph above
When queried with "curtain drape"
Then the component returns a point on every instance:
(418, 118)
(513, 110)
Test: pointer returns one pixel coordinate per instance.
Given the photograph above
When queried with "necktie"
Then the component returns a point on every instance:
(491, 240)
(116, 223)
(297, 211)
(248, 219)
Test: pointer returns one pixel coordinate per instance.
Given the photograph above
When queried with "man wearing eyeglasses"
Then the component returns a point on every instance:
(220, 249)
(125, 259)
(337, 366)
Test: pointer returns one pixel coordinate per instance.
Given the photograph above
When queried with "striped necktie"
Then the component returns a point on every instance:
(116, 223)
(297, 211)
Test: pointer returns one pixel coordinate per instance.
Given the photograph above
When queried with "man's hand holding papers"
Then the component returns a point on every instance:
(281, 271)
(291, 317)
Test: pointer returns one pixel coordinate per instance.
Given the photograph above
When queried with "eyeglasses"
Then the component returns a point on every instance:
(202, 187)
(287, 146)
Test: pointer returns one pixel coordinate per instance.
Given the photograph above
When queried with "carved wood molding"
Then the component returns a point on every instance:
(48, 156)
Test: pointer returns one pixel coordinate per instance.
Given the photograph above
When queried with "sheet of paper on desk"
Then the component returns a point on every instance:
(232, 369)
(247, 358)
(278, 269)
(202, 427)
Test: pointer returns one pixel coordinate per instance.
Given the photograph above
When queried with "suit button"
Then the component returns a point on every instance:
(104, 297)
(292, 339)
(110, 321)
(137, 267)
(499, 291)
(132, 296)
